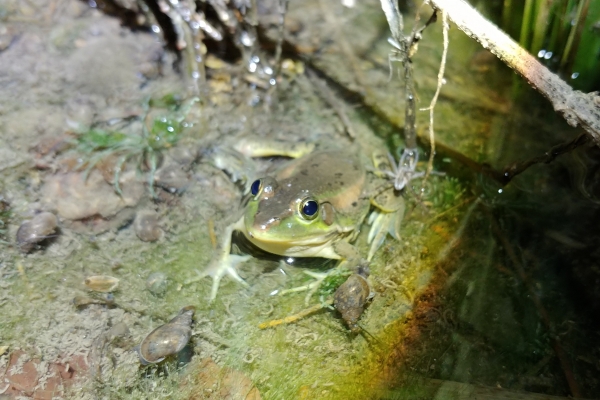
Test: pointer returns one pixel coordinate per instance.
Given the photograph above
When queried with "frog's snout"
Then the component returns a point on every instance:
(264, 226)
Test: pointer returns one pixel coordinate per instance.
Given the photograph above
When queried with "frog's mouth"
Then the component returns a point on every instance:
(316, 246)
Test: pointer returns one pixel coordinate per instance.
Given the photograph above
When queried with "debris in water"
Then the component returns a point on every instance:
(101, 283)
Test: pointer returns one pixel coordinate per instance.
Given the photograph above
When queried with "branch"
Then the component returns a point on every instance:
(576, 107)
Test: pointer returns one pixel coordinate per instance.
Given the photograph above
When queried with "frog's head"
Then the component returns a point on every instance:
(280, 215)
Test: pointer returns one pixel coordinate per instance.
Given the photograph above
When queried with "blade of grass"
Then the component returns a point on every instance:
(557, 15)
(541, 25)
(570, 52)
(526, 23)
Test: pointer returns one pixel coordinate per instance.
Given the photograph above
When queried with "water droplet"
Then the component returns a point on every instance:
(272, 81)
(195, 75)
(92, 4)
(268, 70)
(548, 55)
(252, 67)
(541, 53)
(499, 191)
(246, 39)
(574, 75)
(255, 59)
(155, 29)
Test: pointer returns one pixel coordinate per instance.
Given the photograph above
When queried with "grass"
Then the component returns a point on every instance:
(564, 28)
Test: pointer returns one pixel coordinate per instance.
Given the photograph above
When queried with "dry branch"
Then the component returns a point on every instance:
(576, 107)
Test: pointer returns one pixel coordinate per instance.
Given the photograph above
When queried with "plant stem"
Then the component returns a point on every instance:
(570, 52)
(507, 15)
(525, 23)
(541, 25)
(576, 107)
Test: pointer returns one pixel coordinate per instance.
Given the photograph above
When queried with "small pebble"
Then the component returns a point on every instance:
(146, 226)
(172, 178)
(157, 283)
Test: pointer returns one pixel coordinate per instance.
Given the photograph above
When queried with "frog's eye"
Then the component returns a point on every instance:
(309, 208)
(255, 188)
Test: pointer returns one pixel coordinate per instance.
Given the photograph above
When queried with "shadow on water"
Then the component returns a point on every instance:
(514, 304)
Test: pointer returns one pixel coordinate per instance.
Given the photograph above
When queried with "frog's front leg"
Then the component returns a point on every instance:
(351, 258)
(223, 262)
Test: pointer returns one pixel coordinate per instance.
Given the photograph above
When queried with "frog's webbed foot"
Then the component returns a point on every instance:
(385, 219)
(223, 263)
(222, 266)
(382, 224)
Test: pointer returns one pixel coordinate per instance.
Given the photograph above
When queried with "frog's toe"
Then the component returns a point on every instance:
(220, 267)
(224, 267)
(382, 224)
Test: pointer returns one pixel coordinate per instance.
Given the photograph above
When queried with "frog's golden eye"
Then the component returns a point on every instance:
(255, 188)
(309, 208)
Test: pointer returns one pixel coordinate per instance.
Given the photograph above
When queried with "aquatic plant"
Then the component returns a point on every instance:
(564, 34)
(145, 149)
(330, 284)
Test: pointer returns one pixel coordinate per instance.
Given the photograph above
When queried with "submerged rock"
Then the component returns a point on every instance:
(146, 226)
(91, 201)
(214, 383)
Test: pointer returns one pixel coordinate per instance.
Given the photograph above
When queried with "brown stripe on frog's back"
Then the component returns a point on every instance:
(335, 176)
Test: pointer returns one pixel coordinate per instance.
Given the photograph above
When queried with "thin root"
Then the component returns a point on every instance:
(440, 82)
(293, 318)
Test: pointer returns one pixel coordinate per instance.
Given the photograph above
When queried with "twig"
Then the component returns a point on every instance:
(516, 168)
(576, 107)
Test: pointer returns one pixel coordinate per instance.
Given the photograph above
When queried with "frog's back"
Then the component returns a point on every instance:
(335, 176)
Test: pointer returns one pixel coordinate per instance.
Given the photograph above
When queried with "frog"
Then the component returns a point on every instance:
(313, 206)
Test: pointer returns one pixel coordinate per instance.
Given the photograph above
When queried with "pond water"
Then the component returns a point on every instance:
(490, 289)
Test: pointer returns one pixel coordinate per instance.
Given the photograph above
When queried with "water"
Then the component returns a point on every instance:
(489, 286)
